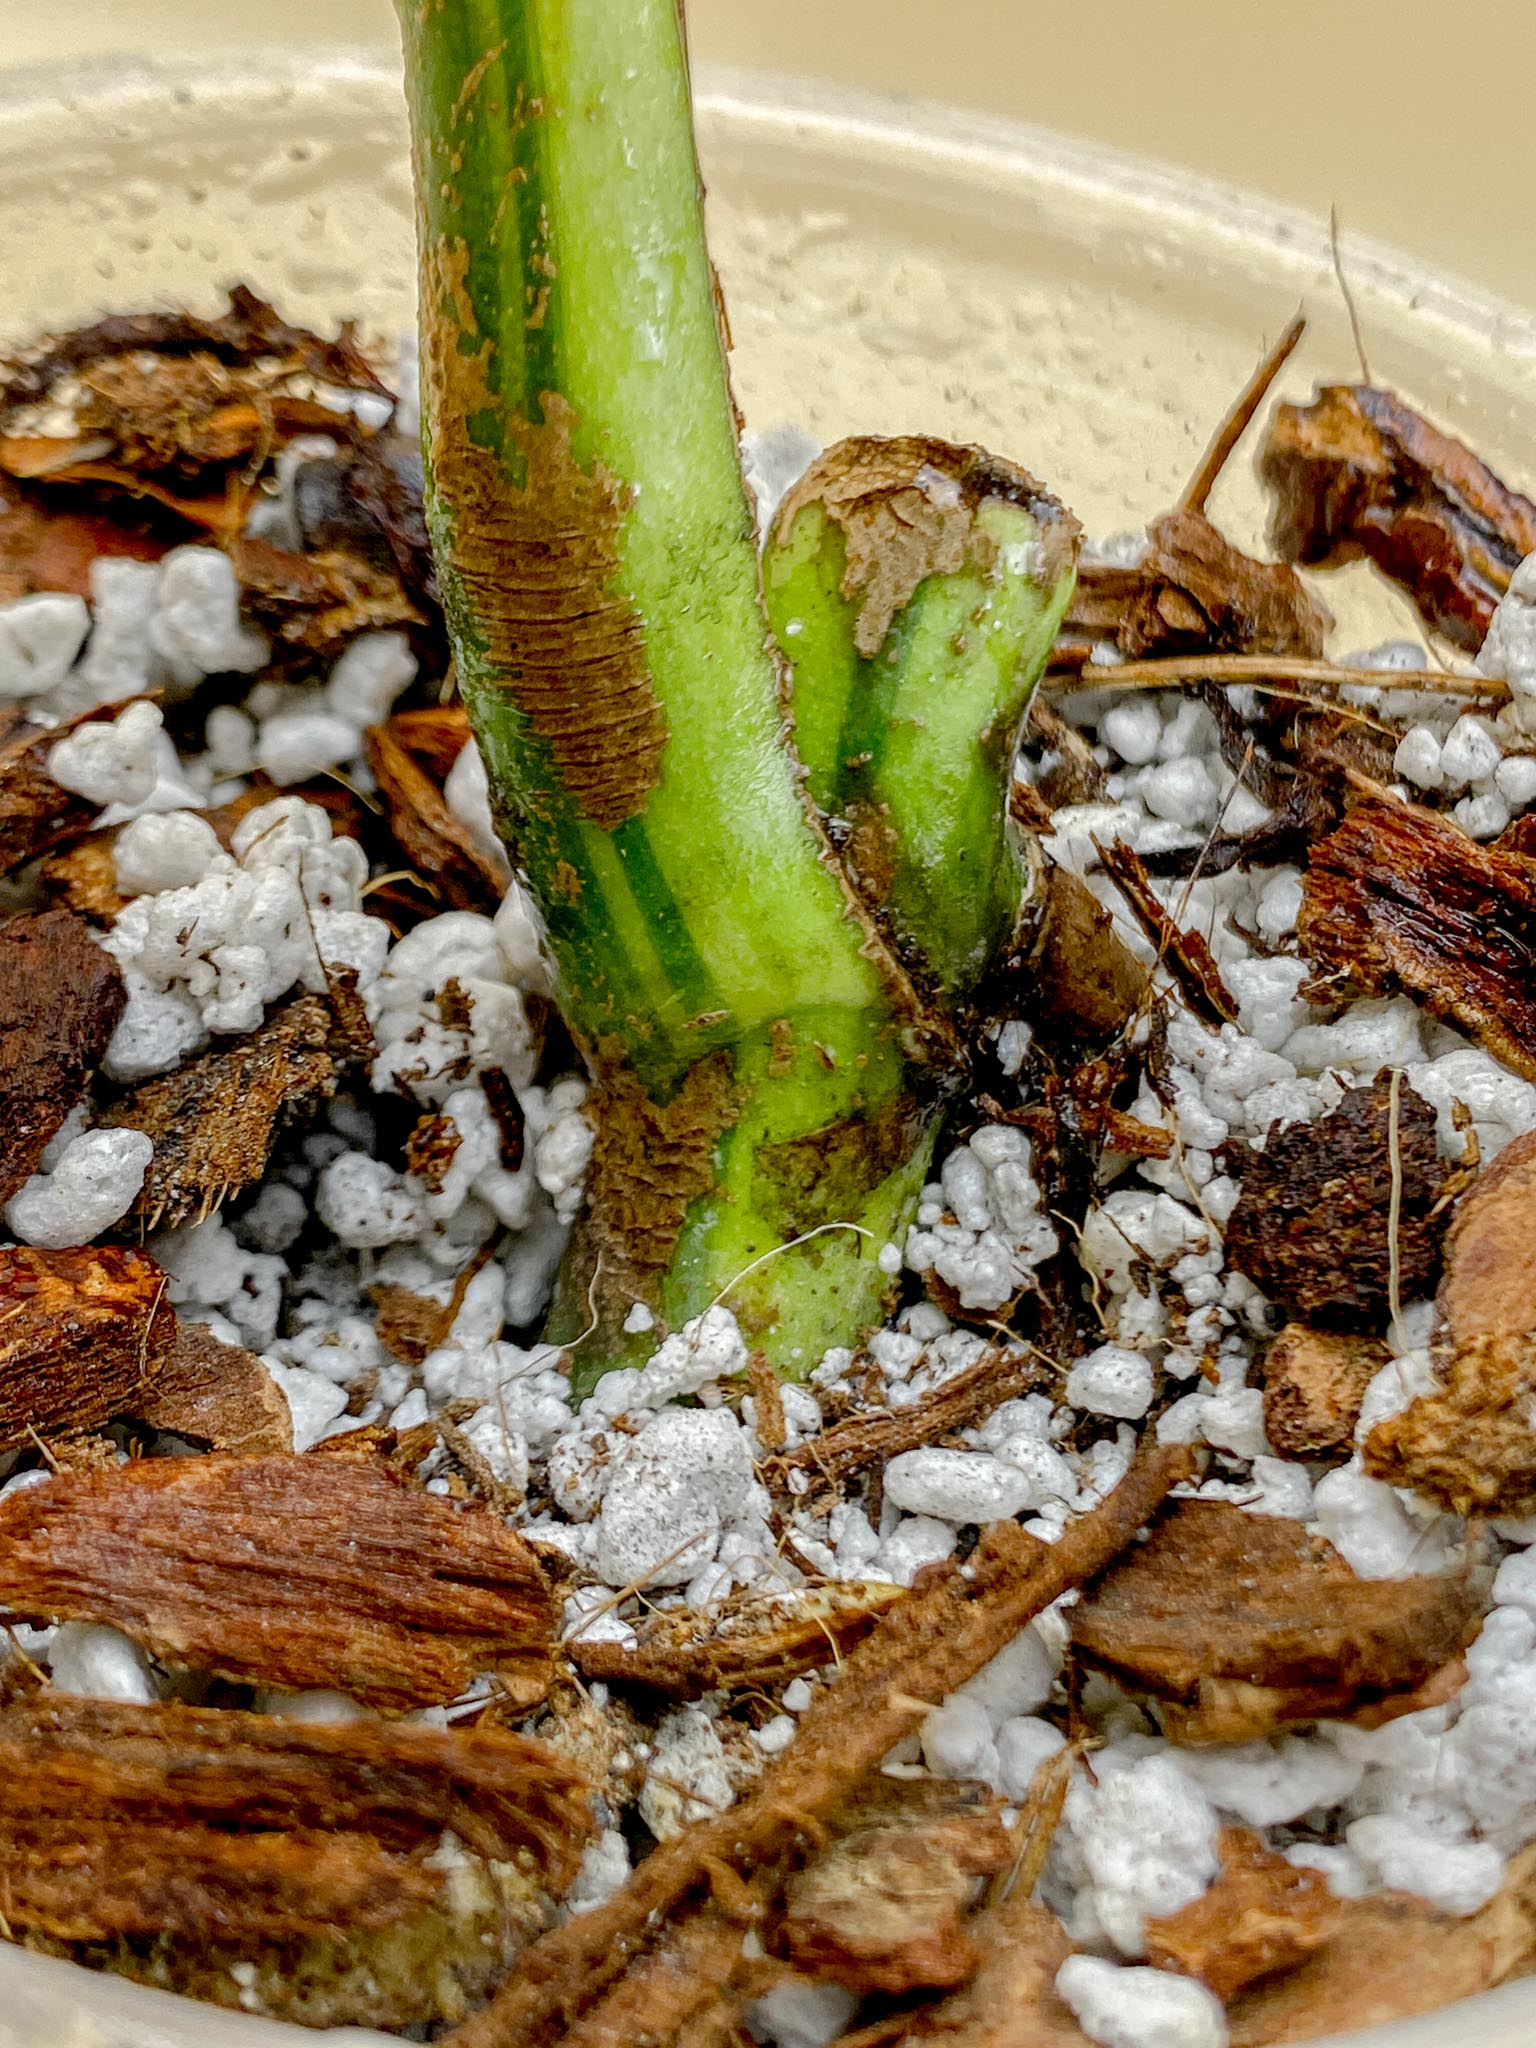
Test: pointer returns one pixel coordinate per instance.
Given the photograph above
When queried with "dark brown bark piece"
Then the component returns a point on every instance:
(1312, 1224)
(1469, 1445)
(1314, 1384)
(433, 841)
(1261, 1916)
(215, 1121)
(36, 813)
(1358, 472)
(125, 1820)
(1401, 898)
(1012, 2002)
(44, 547)
(1241, 1623)
(1393, 1956)
(217, 1394)
(288, 1571)
(1196, 593)
(1185, 954)
(885, 1908)
(82, 1333)
(315, 604)
(60, 1000)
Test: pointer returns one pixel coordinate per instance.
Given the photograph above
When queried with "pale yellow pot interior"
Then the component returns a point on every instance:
(888, 267)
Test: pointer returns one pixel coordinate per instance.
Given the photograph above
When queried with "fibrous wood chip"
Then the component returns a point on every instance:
(885, 1908)
(428, 834)
(82, 1334)
(1469, 1445)
(1241, 1623)
(46, 547)
(1263, 1915)
(1400, 898)
(1314, 1384)
(217, 1394)
(289, 1571)
(1082, 975)
(1312, 1226)
(764, 1643)
(1390, 1957)
(1358, 472)
(1012, 2001)
(60, 999)
(831, 1458)
(1184, 953)
(128, 1820)
(409, 1324)
(939, 1636)
(315, 604)
(36, 814)
(215, 1121)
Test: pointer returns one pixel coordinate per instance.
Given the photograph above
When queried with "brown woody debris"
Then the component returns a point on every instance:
(1312, 1224)
(217, 1394)
(1358, 472)
(1390, 1957)
(1400, 898)
(1470, 1445)
(60, 999)
(1082, 975)
(82, 1334)
(885, 1908)
(215, 1121)
(1314, 1384)
(315, 604)
(426, 831)
(933, 1640)
(1261, 1916)
(51, 548)
(140, 1821)
(1012, 2002)
(835, 1455)
(1242, 1623)
(1185, 954)
(759, 1644)
(409, 1324)
(36, 814)
(296, 1572)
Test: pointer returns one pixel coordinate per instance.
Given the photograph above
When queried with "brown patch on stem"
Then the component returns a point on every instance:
(536, 558)
(906, 507)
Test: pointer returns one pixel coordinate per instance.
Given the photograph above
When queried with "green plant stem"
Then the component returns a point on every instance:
(764, 1064)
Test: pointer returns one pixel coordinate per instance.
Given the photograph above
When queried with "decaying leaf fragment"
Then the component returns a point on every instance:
(1082, 975)
(1263, 1915)
(60, 999)
(1401, 898)
(1314, 1384)
(1012, 2001)
(1471, 1445)
(1392, 1956)
(82, 1334)
(1238, 1624)
(885, 1908)
(428, 834)
(215, 1120)
(216, 1394)
(1358, 472)
(291, 1571)
(170, 1842)
(1312, 1225)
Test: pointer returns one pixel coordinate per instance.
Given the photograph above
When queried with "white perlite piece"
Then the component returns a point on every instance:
(111, 761)
(368, 677)
(39, 639)
(1111, 1381)
(958, 1486)
(800, 2014)
(99, 1663)
(92, 1185)
(1509, 647)
(196, 628)
(167, 850)
(467, 793)
(673, 1489)
(1140, 2008)
(1148, 1837)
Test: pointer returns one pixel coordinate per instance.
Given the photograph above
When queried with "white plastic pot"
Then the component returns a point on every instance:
(889, 268)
